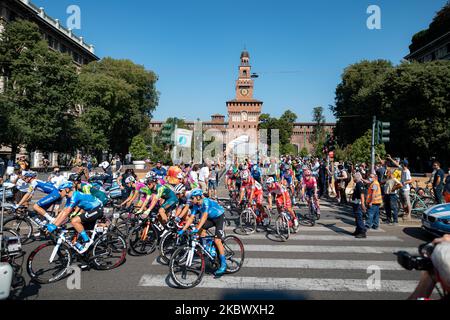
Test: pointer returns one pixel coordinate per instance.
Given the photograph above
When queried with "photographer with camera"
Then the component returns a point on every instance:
(435, 265)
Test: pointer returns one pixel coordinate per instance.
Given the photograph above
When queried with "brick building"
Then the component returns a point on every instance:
(244, 112)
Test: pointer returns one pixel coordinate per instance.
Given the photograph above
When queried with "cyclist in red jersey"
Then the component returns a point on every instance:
(309, 189)
(282, 198)
(252, 189)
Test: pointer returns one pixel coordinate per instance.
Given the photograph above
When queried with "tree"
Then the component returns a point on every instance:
(360, 150)
(122, 95)
(318, 136)
(39, 91)
(285, 127)
(304, 152)
(358, 99)
(138, 149)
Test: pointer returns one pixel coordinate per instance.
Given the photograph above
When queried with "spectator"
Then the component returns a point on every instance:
(2, 167)
(342, 179)
(392, 186)
(447, 188)
(323, 190)
(374, 201)
(46, 164)
(119, 165)
(56, 178)
(203, 178)
(406, 181)
(438, 182)
(359, 207)
(212, 181)
(193, 177)
(24, 165)
(9, 166)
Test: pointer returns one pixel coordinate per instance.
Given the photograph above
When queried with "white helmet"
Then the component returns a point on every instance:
(180, 188)
(245, 175)
(150, 175)
(104, 165)
(180, 176)
(130, 179)
(142, 180)
(270, 180)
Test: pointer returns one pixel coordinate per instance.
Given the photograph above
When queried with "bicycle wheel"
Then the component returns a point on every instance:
(247, 221)
(44, 271)
(143, 239)
(312, 215)
(187, 272)
(283, 229)
(168, 245)
(109, 251)
(234, 253)
(22, 226)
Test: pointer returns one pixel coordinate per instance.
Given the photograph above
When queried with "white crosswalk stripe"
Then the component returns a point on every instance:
(326, 243)
(296, 284)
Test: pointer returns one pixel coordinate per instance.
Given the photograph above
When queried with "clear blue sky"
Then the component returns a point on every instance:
(194, 45)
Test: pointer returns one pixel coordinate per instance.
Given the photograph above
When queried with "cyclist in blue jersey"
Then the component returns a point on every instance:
(42, 205)
(83, 209)
(210, 214)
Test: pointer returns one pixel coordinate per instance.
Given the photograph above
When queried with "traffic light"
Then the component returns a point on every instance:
(166, 133)
(383, 132)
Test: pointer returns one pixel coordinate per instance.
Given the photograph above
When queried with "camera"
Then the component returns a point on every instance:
(421, 262)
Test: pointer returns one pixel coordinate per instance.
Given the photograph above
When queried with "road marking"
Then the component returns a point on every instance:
(316, 264)
(310, 237)
(334, 229)
(323, 249)
(293, 284)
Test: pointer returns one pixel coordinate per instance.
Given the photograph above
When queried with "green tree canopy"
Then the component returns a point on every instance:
(117, 99)
(285, 125)
(39, 91)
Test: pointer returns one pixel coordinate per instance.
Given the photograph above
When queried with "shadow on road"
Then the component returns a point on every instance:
(418, 233)
(261, 295)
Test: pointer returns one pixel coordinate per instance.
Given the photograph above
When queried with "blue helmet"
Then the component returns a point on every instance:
(197, 193)
(67, 185)
(30, 174)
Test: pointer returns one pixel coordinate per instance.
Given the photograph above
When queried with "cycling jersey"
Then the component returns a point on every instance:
(310, 183)
(211, 207)
(41, 186)
(252, 185)
(95, 190)
(53, 198)
(166, 193)
(86, 202)
(279, 190)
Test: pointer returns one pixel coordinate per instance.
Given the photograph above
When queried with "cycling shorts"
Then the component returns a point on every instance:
(280, 203)
(219, 223)
(170, 204)
(49, 200)
(310, 193)
(257, 196)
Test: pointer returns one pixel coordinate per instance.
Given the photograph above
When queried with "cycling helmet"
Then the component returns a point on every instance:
(104, 165)
(30, 174)
(180, 176)
(130, 179)
(75, 177)
(67, 185)
(270, 180)
(197, 193)
(180, 188)
(142, 180)
(245, 175)
(150, 175)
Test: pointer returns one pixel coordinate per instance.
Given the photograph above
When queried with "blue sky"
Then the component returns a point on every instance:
(194, 45)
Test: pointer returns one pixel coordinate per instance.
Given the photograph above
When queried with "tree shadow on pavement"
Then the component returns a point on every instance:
(261, 295)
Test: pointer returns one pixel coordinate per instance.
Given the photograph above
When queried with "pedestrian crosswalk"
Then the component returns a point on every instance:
(323, 258)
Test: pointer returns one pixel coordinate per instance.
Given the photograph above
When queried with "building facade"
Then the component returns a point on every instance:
(58, 38)
(437, 49)
(244, 112)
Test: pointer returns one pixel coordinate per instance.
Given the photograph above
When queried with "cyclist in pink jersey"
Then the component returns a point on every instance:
(309, 189)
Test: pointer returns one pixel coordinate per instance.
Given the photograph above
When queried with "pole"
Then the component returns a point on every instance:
(373, 144)
(1, 218)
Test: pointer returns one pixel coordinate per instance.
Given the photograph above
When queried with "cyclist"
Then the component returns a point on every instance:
(256, 173)
(45, 187)
(134, 186)
(253, 190)
(282, 198)
(184, 203)
(164, 194)
(288, 179)
(82, 209)
(309, 189)
(210, 214)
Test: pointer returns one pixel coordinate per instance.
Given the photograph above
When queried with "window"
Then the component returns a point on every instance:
(63, 48)
(442, 52)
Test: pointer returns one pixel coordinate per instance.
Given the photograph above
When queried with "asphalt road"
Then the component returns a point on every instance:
(320, 262)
